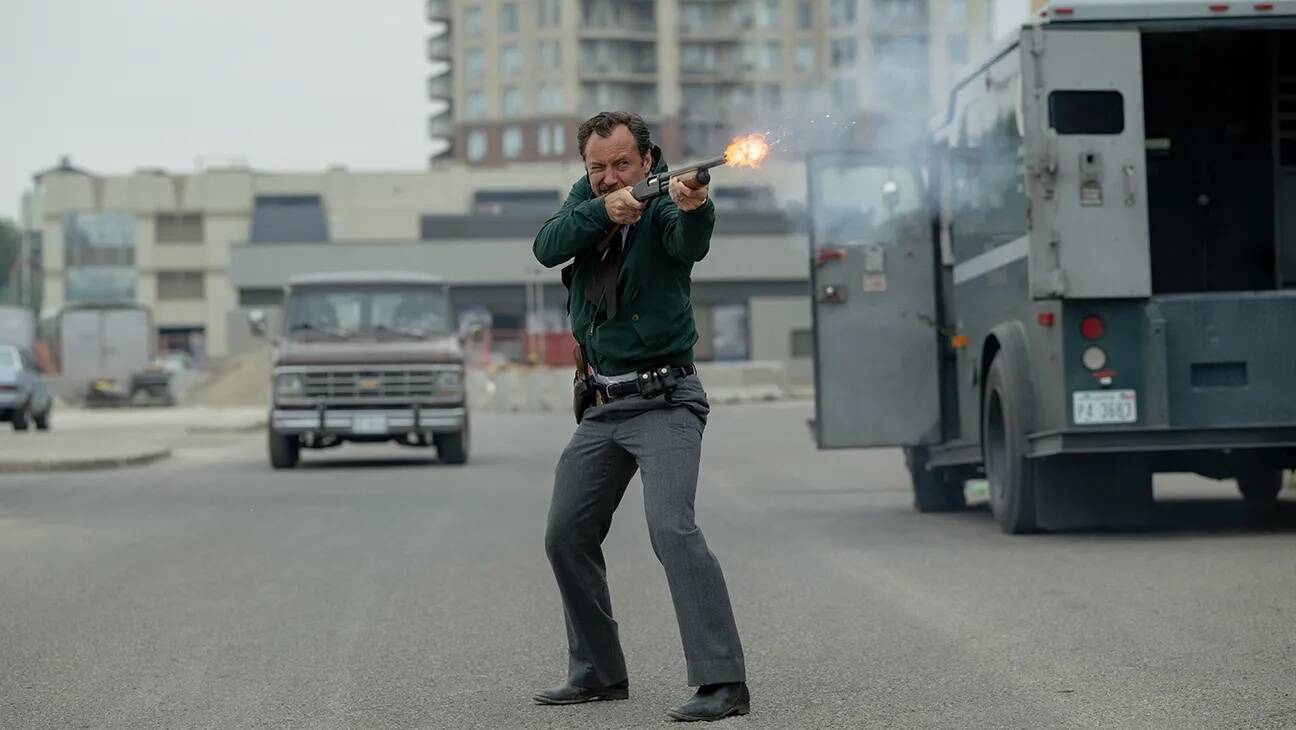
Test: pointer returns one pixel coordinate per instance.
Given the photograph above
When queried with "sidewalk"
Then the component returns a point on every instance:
(171, 420)
(545, 389)
(76, 451)
(113, 438)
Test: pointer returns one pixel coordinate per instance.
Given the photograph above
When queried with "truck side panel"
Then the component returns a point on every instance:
(986, 221)
(984, 301)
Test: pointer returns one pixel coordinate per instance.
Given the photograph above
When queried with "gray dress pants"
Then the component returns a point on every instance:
(663, 439)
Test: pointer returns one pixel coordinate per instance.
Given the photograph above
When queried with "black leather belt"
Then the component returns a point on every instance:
(647, 381)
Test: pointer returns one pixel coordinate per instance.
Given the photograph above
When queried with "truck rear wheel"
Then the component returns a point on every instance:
(1003, 439)
(1260, 486)
(285, 450)
(935, 490)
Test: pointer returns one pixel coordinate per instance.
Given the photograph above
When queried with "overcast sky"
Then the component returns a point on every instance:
(283, 84)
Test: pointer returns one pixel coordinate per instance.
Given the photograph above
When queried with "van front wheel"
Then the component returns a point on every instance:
(285, 450)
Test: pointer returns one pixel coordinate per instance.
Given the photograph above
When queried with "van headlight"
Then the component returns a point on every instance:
(450, 380)
(290, 385)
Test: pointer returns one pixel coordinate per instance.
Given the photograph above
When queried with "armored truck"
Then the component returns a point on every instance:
(1087, 275)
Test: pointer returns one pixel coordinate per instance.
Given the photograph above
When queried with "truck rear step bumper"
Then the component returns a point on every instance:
(1162, 439)
(1154, 441)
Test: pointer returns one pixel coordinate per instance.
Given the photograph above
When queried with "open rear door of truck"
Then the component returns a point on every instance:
(1089, 160)
(873, 277)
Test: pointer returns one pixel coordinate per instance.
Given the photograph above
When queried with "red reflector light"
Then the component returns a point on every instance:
(1063, 11)
(1092, 327)
(1219, 8)
(826, 255)
(1264, 7)
(1046, 319)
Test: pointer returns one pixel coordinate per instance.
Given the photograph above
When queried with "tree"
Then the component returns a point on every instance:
(10, 245)
(10, 250)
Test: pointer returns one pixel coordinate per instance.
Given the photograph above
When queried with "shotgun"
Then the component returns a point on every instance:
(655, 186)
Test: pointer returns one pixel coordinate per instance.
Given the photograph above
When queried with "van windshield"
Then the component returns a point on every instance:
(343, 311)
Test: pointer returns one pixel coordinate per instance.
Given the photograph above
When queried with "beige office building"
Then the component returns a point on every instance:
(513, 79)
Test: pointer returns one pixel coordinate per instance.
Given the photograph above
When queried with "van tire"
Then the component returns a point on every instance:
(1012, 476)
(42, 419)
(452, 448)
(935, 490)
(20, 419)
(285, 450)
(1260, 486)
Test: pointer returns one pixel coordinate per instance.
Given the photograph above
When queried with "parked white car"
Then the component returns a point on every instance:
(24, 397)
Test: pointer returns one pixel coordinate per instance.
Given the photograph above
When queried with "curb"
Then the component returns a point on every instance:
(90, 464)
(246, 428)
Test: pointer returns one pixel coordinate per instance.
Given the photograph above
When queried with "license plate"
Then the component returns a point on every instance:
(1104, 406)
(369, 424)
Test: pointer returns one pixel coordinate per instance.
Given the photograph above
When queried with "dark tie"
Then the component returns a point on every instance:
(602, 286)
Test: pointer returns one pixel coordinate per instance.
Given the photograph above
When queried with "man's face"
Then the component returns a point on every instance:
(614, 162)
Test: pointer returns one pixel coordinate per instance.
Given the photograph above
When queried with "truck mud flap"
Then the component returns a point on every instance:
(1082, 492)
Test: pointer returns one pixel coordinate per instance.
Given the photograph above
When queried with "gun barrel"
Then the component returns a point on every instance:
(702, 169)
(655, 185)
(716, 162)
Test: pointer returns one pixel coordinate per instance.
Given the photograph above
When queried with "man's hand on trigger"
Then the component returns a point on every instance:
(622, 207)
(686, 197)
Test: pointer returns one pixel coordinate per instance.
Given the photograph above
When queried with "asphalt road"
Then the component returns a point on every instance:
(376, 588)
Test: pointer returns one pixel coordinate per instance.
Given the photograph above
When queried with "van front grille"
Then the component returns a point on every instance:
(371, 384)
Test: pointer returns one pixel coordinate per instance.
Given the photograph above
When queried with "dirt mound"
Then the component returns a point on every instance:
(240, 380)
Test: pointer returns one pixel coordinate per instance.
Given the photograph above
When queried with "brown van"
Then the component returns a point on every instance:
(368, 358)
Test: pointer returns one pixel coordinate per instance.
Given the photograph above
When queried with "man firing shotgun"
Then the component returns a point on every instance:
(632, 232)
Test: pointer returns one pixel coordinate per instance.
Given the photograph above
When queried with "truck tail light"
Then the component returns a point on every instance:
(1092, 327)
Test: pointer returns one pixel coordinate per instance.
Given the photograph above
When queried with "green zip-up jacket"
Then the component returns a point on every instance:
(654, 322)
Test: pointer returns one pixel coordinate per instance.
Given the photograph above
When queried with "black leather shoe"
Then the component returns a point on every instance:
(569, 695)
(714, 702)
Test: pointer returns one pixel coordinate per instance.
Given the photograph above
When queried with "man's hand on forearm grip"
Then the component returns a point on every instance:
(688, 193)
(622, 207)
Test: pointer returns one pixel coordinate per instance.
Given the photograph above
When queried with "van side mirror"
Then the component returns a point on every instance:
(257, 322)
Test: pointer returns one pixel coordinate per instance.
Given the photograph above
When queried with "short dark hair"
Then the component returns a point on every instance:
(604, 122)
